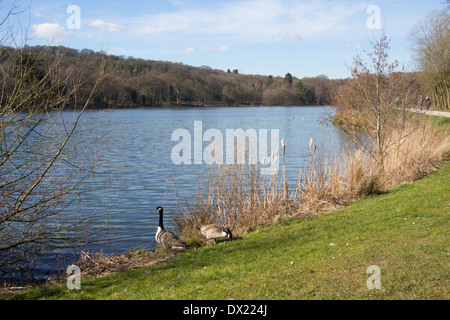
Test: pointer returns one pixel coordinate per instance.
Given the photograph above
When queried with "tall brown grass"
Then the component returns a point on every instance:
(239, 197)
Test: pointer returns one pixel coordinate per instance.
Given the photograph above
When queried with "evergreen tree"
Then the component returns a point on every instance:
(288, 79)
(269, 81)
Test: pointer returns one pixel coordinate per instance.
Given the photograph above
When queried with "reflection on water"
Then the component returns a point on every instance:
(132, 150)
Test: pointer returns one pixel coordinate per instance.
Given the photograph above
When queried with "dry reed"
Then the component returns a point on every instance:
(239, 197)
(100, 264)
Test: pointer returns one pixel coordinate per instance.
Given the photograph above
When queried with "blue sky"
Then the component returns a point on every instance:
(303, 37)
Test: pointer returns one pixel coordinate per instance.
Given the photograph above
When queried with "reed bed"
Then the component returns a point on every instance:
(239, 197)
(236, 196)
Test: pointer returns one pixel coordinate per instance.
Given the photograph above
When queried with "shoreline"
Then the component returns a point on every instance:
(122, 262)
(135, 280)
(207, 106)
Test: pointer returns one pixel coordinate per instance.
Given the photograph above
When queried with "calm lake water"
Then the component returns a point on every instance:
(133, 150)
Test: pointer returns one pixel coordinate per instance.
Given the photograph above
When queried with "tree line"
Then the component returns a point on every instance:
(431, 49)
(398, 89)
(132, 82)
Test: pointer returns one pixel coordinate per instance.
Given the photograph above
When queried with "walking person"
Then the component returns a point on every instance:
(420, 102)
(427, 103)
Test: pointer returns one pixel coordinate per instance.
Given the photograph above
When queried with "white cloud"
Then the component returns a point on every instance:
(354, 46)
(113, 27)
(221, 48)
(52, 32)
(288, 36)
(38, 14)
(255, 20)
(190, 50)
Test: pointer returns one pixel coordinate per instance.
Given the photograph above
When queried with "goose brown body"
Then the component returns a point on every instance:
(215, 231)
(167, 239)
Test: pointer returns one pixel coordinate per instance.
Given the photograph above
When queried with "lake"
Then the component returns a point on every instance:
(133, 151)
(135, 148)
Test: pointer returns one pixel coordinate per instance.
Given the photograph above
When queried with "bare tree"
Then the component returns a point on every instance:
(431, 39)
(42, 166)
(373, 98)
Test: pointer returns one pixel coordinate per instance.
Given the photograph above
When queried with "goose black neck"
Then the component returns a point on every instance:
(161, 219)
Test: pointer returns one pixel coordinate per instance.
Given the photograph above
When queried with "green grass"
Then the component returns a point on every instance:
(405, 232)
(443, 123)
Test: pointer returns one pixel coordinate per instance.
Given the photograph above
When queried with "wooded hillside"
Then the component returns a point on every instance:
(132, 82)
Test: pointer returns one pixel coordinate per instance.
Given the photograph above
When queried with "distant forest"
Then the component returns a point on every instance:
(132, 82)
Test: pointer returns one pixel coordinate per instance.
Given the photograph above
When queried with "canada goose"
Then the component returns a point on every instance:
(167, 239)
(215, 231)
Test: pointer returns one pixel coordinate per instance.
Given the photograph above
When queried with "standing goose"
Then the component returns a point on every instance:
(167, 239)
(215, 231)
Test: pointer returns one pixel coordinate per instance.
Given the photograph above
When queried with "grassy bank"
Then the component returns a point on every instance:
(239, 197)
(404, 232)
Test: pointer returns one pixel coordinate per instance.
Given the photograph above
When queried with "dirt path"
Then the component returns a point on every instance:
(432, 113)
